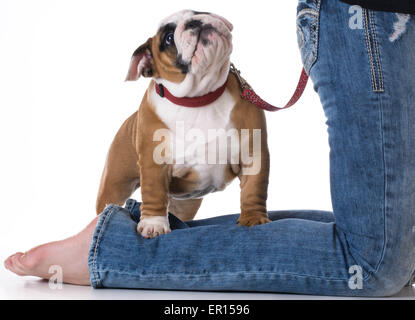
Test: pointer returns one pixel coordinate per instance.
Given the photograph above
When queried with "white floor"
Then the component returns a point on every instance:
(14, 287)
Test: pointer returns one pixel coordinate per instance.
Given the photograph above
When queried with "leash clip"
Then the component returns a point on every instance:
(161, 90)
(243, 83)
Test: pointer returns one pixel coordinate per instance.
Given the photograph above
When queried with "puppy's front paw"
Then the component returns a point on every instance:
(250, 220)
(151, 227)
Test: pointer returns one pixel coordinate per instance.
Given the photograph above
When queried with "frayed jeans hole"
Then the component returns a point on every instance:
(399, 27)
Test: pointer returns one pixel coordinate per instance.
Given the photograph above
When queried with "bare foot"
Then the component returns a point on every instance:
(70, 254)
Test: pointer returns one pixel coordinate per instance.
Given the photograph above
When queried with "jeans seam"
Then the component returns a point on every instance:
(376, 45)
(385, 181)
(223, 274)
(369, 51)
(373, 52)
(97, 243)
(317, 35)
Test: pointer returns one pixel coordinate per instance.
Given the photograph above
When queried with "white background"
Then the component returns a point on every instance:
(63, 97)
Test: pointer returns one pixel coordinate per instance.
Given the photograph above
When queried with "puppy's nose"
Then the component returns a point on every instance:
(193, 24)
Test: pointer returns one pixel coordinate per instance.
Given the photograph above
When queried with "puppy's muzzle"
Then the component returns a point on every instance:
(201, 40)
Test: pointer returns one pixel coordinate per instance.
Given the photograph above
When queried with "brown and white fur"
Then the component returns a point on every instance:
(197, 63)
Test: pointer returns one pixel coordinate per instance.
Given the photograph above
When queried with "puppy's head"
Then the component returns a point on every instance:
(187, 44)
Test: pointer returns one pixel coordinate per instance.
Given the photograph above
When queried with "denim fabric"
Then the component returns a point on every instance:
(367, 89)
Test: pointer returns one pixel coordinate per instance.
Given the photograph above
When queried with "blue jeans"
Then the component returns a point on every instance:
(365, 79)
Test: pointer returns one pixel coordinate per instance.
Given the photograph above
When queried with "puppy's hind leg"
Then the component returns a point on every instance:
(121, 176)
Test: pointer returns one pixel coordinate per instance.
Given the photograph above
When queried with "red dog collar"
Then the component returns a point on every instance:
(195, 102)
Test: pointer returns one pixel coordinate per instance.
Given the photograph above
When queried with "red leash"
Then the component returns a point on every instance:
(247, 93)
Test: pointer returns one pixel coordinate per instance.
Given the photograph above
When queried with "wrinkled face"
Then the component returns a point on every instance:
(187, 43)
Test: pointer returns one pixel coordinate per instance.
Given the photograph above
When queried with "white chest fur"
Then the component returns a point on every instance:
(195, 129)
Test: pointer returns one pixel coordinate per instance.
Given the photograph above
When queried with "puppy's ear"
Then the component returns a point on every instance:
(225, 21)
(141, 62)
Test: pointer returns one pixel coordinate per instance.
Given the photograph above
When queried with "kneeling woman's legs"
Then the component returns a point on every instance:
(72, 253)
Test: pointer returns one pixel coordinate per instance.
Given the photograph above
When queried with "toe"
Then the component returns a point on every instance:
(16, 266)
(7, 263)
(150, 233)
(146, 232)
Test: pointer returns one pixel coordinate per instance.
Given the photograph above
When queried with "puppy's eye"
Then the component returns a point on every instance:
(169, 39)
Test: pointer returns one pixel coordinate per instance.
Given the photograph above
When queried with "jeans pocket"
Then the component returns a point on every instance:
(308, 21)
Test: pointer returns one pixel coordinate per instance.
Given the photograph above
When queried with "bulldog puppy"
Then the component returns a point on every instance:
(193, 133)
